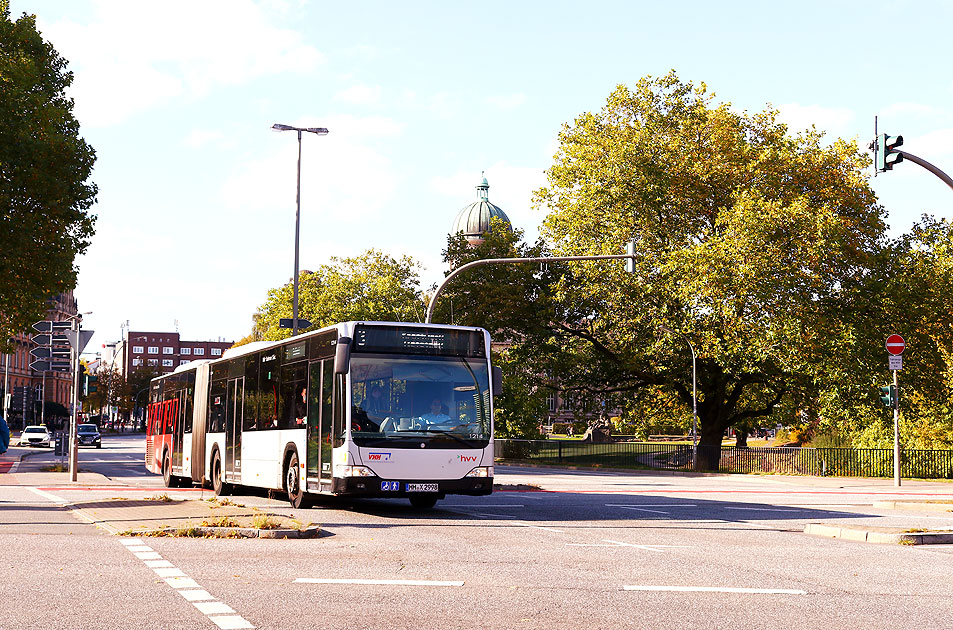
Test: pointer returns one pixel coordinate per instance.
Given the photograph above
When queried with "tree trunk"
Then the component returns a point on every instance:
(741, 438)
(709, 450)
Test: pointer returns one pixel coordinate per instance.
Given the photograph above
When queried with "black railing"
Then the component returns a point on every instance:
(844, 462)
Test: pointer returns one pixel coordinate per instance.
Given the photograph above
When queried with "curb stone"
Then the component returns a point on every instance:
(858, 534)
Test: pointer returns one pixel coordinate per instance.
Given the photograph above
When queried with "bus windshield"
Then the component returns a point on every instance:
(442, 399)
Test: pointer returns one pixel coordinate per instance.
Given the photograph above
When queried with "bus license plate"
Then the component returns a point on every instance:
(422, 487)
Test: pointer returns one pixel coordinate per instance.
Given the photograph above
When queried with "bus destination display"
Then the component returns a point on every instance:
(462, 343)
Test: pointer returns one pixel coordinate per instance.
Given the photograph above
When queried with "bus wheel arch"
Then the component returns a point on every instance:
(218, 475)
(294, 484)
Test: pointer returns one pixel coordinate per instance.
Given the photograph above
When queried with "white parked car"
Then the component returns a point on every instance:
(36, 435)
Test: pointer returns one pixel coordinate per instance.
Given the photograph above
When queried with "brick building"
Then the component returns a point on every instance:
(163, 351)
(29, 387)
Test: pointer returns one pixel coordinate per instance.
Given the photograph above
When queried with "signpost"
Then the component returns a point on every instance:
(895, 346)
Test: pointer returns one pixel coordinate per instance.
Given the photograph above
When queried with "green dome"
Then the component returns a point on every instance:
(474, 220)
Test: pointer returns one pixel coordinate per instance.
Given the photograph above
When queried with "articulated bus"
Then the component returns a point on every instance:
(371, 409)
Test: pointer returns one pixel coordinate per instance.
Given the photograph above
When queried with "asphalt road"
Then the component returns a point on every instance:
(594, 550)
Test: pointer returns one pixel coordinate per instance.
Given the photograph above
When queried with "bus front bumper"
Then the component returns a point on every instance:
(379, 487)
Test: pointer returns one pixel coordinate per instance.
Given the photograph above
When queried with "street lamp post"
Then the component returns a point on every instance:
(321, 131)
(694, 393)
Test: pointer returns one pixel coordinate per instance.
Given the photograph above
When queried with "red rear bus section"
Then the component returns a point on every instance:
(160, 426)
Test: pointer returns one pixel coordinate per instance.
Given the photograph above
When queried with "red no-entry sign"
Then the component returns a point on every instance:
(895, 344)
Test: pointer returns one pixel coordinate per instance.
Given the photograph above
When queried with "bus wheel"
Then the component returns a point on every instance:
(423, 501)
(218, 483)
(296, 494)
(167, 477)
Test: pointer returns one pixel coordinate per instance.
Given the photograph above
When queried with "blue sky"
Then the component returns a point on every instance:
(197, 194)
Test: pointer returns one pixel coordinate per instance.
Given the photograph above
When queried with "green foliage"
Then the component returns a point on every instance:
(369, 287)
(44, 168)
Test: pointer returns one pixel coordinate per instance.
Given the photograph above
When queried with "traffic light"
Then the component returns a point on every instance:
(89, 380)
(887, 152)
(888, 396)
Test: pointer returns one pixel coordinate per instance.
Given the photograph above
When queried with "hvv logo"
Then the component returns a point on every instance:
(467, 458)
(379, 457)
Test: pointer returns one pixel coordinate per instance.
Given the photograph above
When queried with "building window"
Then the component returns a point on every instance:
(153, 349)
(215, 352)
(166, 350)
(136, 362)
(153, 361)
(185, 351)
(166, 362)
(199, 352)
(137, 349)
(551, 402)
(183, 361)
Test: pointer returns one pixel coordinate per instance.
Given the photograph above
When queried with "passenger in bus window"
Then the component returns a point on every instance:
(375, 404)
(301, 407)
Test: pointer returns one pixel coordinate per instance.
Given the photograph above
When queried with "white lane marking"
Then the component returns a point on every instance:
(47, 495)
(181, 582)
(765, 509)
(377, 582)
(158, 564)
(195, 595)
(714, 589)
(231, 622)
(659, 548)
(651, 505)
(218, 612)
(629, 507)
(545, 529)
(147, 555)
(485, 515)
(462, 506)
(214, 608)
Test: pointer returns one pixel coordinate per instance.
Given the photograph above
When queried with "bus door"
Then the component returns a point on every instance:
(320, 377)
(234, 399)
(177, 426)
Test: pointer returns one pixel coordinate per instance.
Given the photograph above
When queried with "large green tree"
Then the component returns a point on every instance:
(45, 195)
(746, 236)
(370, 287)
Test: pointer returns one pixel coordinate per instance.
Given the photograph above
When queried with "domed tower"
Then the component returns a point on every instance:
(474, 219)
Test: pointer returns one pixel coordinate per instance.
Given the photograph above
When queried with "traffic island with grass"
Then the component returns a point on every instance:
(212, 518)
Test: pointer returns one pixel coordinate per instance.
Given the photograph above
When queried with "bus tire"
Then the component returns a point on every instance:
(218, 480)
(167, 477)
(423, 501)
(297, 495)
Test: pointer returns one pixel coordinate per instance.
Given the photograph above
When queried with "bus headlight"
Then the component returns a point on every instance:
(481, 471)
(353, 471)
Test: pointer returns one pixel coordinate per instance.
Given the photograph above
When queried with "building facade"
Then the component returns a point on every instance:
(161, 351)
(31, 391)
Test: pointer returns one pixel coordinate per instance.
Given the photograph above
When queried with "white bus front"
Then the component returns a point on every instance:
(421, 414)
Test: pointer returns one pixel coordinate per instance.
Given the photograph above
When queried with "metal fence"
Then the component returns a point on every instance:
(844, 462)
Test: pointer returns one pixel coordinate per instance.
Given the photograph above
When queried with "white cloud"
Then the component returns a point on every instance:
(133, 56)
(834, 121)
(506, 101)
(360, 95)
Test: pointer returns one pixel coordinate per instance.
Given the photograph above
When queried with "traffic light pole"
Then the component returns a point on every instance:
(921, 162)
(896, 432)
(73, 449)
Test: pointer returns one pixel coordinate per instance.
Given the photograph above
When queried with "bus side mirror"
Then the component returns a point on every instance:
(342, 355)
(497, 381)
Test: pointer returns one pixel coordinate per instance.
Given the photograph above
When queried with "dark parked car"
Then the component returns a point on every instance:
(88, 435)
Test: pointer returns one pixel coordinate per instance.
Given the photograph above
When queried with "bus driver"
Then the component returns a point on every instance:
(436, 414)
